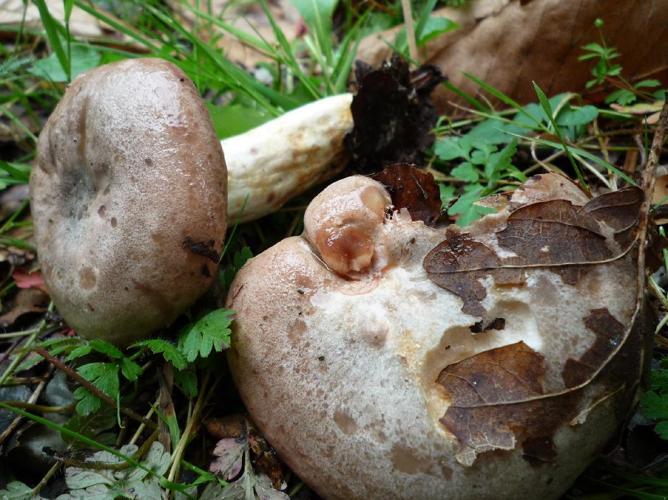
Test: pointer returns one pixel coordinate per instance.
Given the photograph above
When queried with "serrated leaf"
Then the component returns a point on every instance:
(82, 58)
(168, 350)
(130, 369)
(79, 352)
(104, 376)
(467, 209)
(211, 332)
(577, 116)
(654, 405)
(87, 403)
(450, 148)
(647, 84)
(622, 97)
(447, 193)
(186, 380)
(104, 347)
(500, 161)
(229, 453)
(465, 172)
(16, 490)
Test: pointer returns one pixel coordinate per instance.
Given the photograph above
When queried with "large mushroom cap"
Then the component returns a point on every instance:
(128, 199)
(387, 359)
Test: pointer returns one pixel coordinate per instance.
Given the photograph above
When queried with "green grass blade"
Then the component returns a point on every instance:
(51, 26)
(545, 104)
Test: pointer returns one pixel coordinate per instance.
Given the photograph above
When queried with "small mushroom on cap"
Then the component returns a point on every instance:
(129, 191)
(383, 358)
(128, 200)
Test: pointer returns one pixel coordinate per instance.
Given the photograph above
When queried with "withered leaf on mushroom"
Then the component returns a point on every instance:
(385, 358)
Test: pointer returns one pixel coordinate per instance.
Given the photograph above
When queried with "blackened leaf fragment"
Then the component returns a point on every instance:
(412, 189)
(393, 115)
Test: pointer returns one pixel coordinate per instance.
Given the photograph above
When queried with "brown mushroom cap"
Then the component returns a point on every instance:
(128, 200)
(366, 382)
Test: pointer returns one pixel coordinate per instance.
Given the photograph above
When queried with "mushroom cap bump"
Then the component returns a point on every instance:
(339, 350)
(128, 200)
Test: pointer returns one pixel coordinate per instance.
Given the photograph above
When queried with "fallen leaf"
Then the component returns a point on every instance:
(392, 114)
(556, 235)
(28, 300)
(229, 453)
(509, 44)
(513, 396)
(641, 108)
(413, 189)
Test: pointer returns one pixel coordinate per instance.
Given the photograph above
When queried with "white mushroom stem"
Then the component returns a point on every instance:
(284, 157)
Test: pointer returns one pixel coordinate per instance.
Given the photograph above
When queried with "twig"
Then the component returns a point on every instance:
(49, 474)
(648, 182)
(90, 387)
(33, 397)
(141, 427)
(19, 357)
(410, 30)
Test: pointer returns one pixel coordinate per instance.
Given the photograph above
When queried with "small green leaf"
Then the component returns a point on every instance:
(467, 209)
(209, 333)
(434, 27)
(83, 58)
(654, 405)
(79, 351)
(447, 193)
(577, 116)
(498, 162)
(168, 350)
(662, 429)
(233, 119)
(450, 148)
(104, 347)
(130, 369)
(87, 403)
(647, 84)
(465, 172)
(104, 376)
(623, 97)
(186, 380)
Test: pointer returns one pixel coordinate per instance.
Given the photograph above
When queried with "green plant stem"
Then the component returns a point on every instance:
(49, 474)
(91, 388)
(185, 437)
(23, 333)
(410, 30)
(42, 408)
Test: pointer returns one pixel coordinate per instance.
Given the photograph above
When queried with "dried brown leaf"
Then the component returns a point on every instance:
(413, 189)
(509, 44)
(556, 234)
(393, 115)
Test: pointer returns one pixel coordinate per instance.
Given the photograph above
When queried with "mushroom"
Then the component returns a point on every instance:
(129, 192)
(383, 358)
(128, 200)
